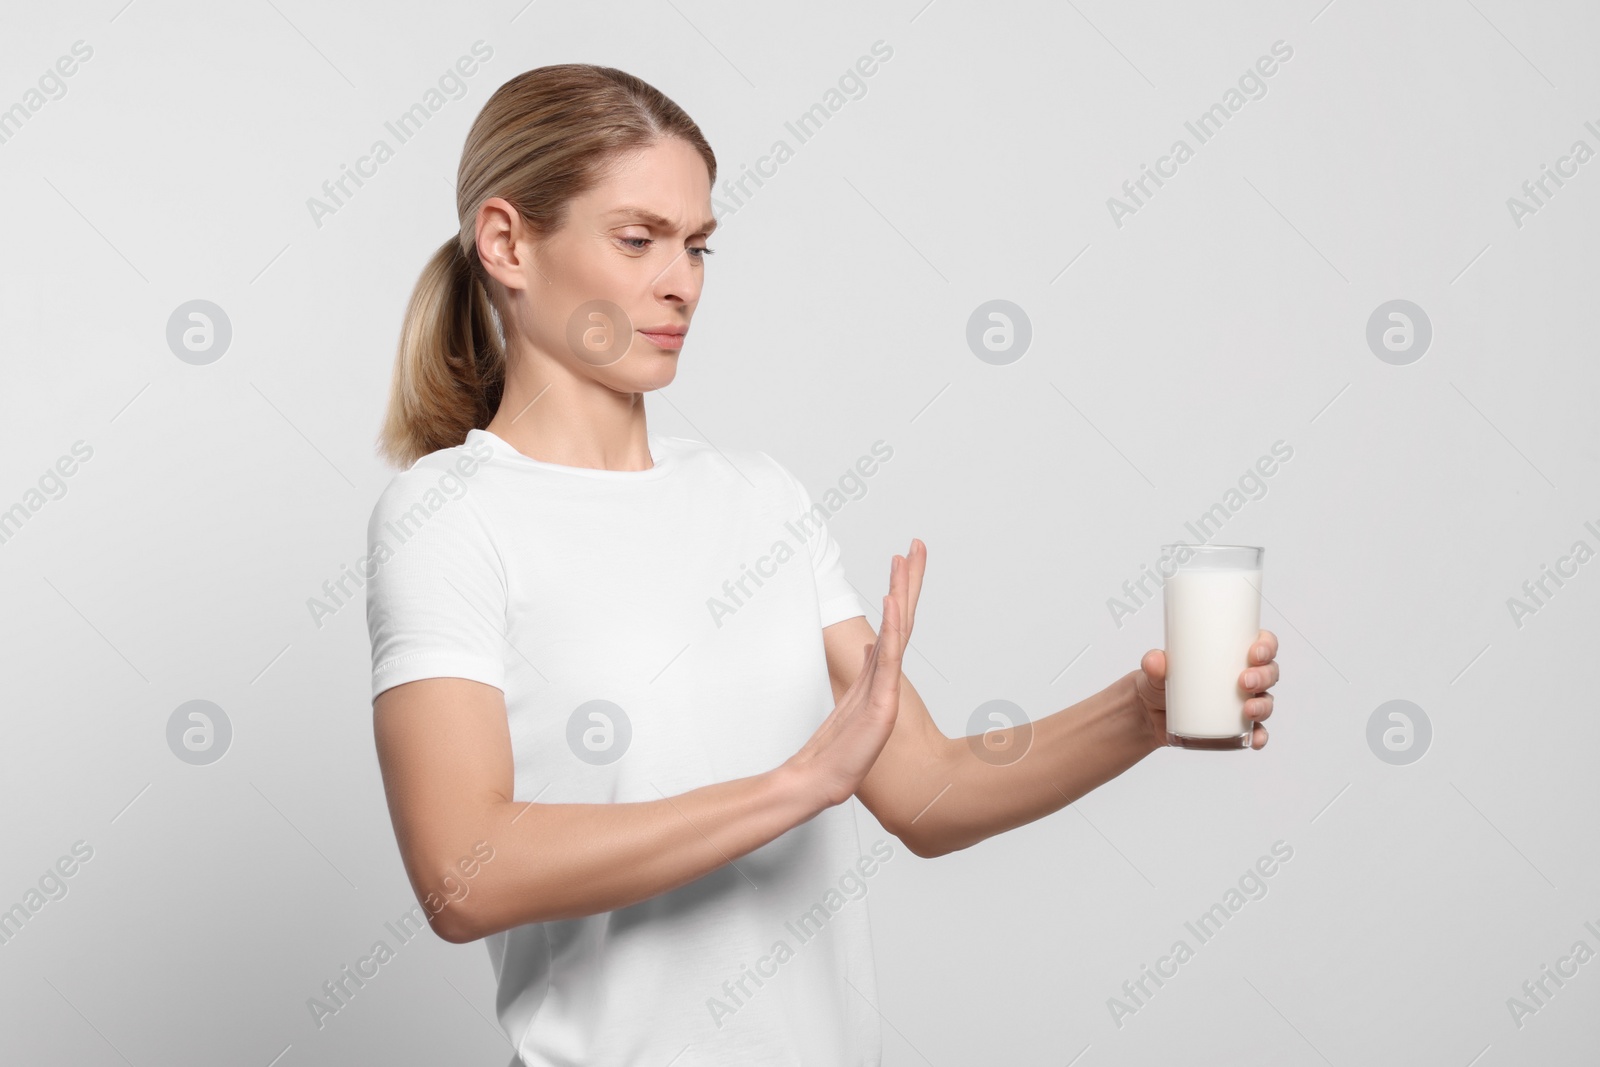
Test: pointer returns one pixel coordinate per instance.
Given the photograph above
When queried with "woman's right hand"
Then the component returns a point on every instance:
(843, 749)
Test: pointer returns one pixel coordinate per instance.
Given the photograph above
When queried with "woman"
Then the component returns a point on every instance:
(604, 731)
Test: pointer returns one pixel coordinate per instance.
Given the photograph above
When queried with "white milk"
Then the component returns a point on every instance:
(1213, 616)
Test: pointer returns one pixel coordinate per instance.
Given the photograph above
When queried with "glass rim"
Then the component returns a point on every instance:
(1210, 546)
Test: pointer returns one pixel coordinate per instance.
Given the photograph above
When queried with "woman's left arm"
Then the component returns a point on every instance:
(939, 794)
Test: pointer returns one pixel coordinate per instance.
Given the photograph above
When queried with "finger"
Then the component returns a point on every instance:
(901, 586)
(893, 600)
(1257, 679)
(1258, 736)
(1152, 693)
(1154, 666)
(886, 683)
(891, 639)
(918, 560)
(1259, 708)
(897, 588)
(1265, 648)
(903, 595)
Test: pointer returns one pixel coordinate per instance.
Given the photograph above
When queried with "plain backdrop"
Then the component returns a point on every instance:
(1170, 348)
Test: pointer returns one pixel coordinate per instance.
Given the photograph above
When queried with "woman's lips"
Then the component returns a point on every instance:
(671, 341)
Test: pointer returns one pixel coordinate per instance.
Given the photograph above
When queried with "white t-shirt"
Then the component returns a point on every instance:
(653, 632)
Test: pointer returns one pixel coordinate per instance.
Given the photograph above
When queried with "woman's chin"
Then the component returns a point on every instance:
(645, 375)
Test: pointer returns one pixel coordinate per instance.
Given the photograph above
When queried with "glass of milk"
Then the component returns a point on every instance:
(1212, 601)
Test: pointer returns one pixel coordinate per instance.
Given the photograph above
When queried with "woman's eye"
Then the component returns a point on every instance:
(638, 244)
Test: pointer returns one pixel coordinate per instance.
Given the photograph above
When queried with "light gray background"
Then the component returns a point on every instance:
(1230, 312)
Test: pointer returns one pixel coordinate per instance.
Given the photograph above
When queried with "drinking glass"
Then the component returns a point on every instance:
(1212, 609)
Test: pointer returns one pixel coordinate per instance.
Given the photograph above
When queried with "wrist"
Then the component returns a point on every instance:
(798, 791)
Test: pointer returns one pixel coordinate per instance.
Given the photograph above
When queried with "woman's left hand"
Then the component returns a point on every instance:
(1150, 682)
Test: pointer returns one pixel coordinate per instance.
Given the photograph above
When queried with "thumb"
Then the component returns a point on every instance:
(1154, 665)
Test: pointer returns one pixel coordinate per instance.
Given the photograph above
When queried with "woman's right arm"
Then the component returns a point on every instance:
(449, 795)
(444, 749)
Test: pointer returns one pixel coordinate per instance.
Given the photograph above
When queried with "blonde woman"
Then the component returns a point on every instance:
(635, 796)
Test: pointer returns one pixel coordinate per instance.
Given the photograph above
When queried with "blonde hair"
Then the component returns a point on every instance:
(542, 138)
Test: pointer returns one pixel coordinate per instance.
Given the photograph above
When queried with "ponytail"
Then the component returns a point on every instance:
(449, 372)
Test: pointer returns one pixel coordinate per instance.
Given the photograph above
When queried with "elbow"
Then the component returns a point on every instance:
(916, 842)
(452, 922)
(453, 910)
(924, 849)
(472, 914)
(929, 838)
(454, 898)
(455, 932)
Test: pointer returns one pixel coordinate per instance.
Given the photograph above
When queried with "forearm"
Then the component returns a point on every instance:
(565, 861)
(1071, 753)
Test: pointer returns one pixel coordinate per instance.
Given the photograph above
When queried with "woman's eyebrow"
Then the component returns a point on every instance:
(650, 218)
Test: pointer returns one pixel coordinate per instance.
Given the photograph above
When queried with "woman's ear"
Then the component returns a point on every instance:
(504, 243)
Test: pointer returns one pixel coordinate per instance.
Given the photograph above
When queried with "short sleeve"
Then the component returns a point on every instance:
(436, 590)
(837, 599)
